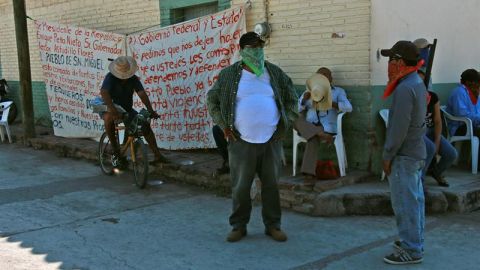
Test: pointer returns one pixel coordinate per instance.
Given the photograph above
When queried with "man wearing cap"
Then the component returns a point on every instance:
(404, 150)
(117, 88)
(254, 102)
(463, 101)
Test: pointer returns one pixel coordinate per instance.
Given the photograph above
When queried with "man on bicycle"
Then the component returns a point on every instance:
(117, 88)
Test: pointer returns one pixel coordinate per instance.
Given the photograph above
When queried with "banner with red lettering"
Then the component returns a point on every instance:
(178, 65)
(74, 63)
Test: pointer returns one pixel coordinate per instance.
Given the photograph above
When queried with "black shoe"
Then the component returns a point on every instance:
(440, 180)
(401, 256)
(236, 234)
(119, 162)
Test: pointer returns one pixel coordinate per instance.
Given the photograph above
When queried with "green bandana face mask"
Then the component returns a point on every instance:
(254, 59)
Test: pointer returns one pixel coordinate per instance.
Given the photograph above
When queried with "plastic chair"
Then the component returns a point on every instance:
(384, 115)
(4, 110)
(338, 142)
(469, 136)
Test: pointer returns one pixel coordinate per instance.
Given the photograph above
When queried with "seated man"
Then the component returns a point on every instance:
(319, 107)
(436, 144)
(340, 103)
(221, 143)
(117, 88)
(463, 101)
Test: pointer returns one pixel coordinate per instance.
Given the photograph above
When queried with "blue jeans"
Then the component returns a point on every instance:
(430, 146)
(447, 152)
(408, 202)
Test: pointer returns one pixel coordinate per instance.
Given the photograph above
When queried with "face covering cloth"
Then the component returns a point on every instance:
(254, 59)
(395, 73)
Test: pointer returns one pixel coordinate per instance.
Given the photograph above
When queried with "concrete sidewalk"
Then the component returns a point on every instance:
(359, 193)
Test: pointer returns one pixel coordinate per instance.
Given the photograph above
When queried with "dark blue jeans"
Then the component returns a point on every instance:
(408, 202)
(448, 154)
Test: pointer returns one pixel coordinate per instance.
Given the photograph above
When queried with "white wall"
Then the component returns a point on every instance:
(456, 25)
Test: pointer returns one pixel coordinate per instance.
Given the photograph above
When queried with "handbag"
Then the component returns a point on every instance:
(326, 170)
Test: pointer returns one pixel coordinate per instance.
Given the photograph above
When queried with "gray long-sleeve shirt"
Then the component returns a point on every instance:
(406, 120)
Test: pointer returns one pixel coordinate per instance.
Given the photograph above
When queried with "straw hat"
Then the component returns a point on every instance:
(123, 67)
(321, 92)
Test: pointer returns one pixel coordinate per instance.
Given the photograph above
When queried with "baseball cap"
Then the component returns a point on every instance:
(250, 38)
(402, 49)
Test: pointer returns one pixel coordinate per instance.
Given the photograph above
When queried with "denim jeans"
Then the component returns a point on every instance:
(408, 202)
(430, 147)
(447, 152)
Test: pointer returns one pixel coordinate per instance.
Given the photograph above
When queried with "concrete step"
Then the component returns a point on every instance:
(373, 198)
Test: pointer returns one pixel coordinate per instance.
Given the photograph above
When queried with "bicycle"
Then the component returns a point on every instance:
(133, 148)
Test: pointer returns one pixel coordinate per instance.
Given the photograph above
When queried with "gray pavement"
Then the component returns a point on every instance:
(60, 213)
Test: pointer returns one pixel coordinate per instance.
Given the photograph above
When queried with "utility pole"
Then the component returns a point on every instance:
(21, 34)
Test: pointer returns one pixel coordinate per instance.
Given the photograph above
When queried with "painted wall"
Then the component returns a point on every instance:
(454, 23)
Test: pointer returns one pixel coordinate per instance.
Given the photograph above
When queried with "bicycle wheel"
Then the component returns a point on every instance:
(104, 154)
(140, 163)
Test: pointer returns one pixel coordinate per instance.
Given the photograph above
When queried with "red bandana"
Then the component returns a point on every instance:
(395, 74)
(472, 96)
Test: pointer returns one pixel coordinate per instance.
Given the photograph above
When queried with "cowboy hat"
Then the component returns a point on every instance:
(320, 90)
(123, 67)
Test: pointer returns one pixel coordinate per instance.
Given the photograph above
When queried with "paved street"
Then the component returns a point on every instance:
(59, 213)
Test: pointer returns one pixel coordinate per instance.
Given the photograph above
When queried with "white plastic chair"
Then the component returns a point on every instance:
(384, 115)
(4, 110)
(469, 136)
(338, 142)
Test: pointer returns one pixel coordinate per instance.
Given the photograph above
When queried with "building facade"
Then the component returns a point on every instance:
(343, 35)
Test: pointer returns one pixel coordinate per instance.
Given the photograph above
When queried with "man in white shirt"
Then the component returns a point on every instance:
(319, 124)
(254, 102)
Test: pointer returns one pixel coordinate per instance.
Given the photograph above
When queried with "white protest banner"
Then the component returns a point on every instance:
(74, 63)
(178, 65)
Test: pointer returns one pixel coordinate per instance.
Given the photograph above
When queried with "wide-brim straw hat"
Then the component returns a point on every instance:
(321, 93)
(123, 67)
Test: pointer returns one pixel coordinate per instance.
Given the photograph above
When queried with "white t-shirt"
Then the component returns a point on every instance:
(256, 113)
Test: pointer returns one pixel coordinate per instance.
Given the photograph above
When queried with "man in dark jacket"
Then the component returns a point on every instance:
(255, 103)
